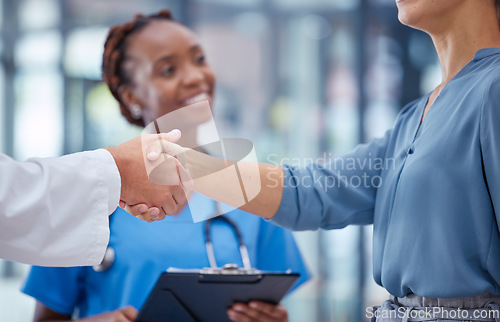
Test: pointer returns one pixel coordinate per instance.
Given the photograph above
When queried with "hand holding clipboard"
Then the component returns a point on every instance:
(205, 295)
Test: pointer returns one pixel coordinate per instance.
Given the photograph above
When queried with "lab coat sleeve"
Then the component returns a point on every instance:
(490, 145)
(336, 194)
(54, 211)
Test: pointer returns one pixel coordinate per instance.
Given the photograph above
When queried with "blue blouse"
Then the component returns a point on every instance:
(145, 250)
(432, 192)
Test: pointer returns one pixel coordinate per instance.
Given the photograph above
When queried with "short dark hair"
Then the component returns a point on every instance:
(114, 54)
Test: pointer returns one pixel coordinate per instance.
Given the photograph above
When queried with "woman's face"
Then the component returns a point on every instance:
(427, 15)
(168, 70)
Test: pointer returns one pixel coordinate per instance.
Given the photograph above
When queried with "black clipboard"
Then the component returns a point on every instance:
(205, 295)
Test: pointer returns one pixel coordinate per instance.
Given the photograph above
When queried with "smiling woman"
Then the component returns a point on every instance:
(148, 74)
(153, 66)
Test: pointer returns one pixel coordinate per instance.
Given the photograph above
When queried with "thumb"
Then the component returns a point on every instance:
(155, 149)
(172, 136)
(130, 312)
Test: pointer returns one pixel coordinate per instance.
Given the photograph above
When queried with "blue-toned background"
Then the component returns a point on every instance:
(304, 80)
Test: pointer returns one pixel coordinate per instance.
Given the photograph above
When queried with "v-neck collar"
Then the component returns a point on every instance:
(480, 54)
(486, 52)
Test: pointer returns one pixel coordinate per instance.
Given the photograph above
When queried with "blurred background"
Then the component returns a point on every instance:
(304, 80)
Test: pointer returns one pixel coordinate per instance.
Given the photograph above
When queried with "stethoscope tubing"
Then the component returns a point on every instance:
(245, 258)
(109, 256)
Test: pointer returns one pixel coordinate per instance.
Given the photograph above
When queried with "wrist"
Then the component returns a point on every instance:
(111, 177)
(122, 163)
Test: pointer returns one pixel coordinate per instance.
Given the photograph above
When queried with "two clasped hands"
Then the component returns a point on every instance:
(168, 178)
(142, 198)
(161, 185)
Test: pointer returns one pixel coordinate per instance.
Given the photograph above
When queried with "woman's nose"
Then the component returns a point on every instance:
(193, 75)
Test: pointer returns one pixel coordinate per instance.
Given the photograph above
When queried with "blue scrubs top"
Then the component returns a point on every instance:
(145, 250)
(431, 191)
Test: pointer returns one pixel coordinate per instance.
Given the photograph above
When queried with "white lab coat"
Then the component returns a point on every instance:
(54, 212)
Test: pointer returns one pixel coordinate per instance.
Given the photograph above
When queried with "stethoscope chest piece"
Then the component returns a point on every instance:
(107, 261)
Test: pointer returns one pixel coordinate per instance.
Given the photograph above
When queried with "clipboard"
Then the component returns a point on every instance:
(205, 295)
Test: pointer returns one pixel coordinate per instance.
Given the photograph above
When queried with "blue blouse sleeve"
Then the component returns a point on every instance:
(490, 145)
(277, 251)
(58, 288)
(335, 194)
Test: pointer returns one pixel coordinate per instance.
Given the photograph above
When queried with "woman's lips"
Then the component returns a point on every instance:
(196, 98)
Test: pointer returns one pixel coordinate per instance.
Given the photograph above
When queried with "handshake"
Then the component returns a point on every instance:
(139, 196)
(158, 176)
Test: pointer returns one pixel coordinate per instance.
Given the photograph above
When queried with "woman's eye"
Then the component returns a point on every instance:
(201, 59)
(167, 71)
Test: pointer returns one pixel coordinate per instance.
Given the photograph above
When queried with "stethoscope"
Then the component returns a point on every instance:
(109, 255)
(208, 242)
(107, 261)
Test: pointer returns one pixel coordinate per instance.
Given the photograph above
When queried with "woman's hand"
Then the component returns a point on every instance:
(125, 314)
(257, 311)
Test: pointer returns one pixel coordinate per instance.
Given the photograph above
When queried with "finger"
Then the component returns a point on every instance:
(144, 218)
(153, 158)
(147, 217)
(154, 144)
(274, 311)
(185, 178)
(238, 316)
(161, 215)
(122, 204)
(169, 206)
(180, 198)
(164, 172)
(256, 314)
(181, 155)
(154, 151)
(152, 214)
(136, 210)
(150, 147)
(155, 213)
(172, 136)
(159, 146)
(130, 312)
(247, 311)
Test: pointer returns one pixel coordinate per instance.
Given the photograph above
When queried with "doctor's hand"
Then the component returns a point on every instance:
(136, 189)
(257, 311)
(125, 314)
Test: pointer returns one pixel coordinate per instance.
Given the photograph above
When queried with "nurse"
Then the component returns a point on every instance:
(154, 65)
(430, 186)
